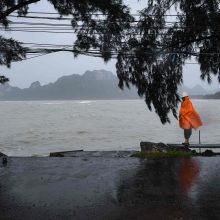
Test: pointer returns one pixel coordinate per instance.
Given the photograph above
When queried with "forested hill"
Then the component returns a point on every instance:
(213, 96)
(97, 84)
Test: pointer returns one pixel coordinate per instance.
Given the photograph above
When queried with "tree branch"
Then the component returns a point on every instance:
(188, 42)
(200, 39)
(4, 14)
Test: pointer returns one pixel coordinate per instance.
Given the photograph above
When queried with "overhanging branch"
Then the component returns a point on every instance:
(186, 43)
(4, 14)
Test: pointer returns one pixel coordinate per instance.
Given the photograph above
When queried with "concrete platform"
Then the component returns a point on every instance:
(81, 153)
(202, 146)
(112, 188)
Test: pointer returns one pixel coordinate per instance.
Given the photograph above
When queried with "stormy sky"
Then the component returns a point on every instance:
(49, 67)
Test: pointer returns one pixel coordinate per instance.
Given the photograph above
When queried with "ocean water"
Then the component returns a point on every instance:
(39, 127)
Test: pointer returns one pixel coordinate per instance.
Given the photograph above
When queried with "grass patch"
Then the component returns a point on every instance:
(157, 154)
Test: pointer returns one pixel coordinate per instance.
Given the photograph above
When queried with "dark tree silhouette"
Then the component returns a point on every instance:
(90, 29)
(150, 49)
(152, 58)
(98, 24)
(3, 79)
(10, 50)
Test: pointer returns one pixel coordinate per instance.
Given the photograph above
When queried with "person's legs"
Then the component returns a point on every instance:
(187, 134)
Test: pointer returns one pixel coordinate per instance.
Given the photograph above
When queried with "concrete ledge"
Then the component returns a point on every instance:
(81, 153)
(63, 153)
(210, 146)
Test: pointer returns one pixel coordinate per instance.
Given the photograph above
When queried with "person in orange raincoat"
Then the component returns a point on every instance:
(188, 118)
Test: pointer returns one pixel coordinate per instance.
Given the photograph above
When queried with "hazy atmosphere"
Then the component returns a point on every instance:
(48, 68)
(104, 114)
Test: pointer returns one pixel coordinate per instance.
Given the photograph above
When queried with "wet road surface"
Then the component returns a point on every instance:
(110, 188)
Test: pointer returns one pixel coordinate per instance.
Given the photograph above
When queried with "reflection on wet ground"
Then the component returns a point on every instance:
(110, 188)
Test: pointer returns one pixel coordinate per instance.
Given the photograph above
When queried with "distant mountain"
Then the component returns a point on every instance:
(211, 92)
(97, 84)
(6, 89)
(213, 96)
(35, 85)
(196, 90)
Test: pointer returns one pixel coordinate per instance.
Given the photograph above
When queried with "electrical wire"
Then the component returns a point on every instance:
(96, 14)
(60, 29)
(70, 19)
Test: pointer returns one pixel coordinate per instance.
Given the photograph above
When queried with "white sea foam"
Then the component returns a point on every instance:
(85, 102)
(52, 103)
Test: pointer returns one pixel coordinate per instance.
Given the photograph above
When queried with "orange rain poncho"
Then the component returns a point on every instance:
(188, 117)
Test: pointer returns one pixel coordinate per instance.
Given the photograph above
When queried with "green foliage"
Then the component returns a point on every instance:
(10, 50)
(92, 31)
(104, 33)
(3, 79)
(154, 61)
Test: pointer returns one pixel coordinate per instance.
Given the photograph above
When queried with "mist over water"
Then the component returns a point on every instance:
(39, 127)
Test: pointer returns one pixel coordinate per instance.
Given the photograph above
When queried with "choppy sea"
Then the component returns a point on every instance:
(31, 128)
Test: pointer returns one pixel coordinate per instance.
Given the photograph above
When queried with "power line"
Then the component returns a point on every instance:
(113, 57)
(35, 12)
(39, 17)
(48, 25)
(94, 53)
(43, 54)
(38, 23)
(42, 31)
(65, 49)
(171, 5)
(99, 56)
(74, 31)
(98, 14)
(83, 28)
(34, 45)
(39, 44)
(70, 19)
(53, 30)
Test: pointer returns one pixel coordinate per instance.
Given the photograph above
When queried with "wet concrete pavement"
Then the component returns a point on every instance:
(107, 187)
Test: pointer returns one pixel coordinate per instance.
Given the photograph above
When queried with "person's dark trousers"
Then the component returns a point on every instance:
(187, 133)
